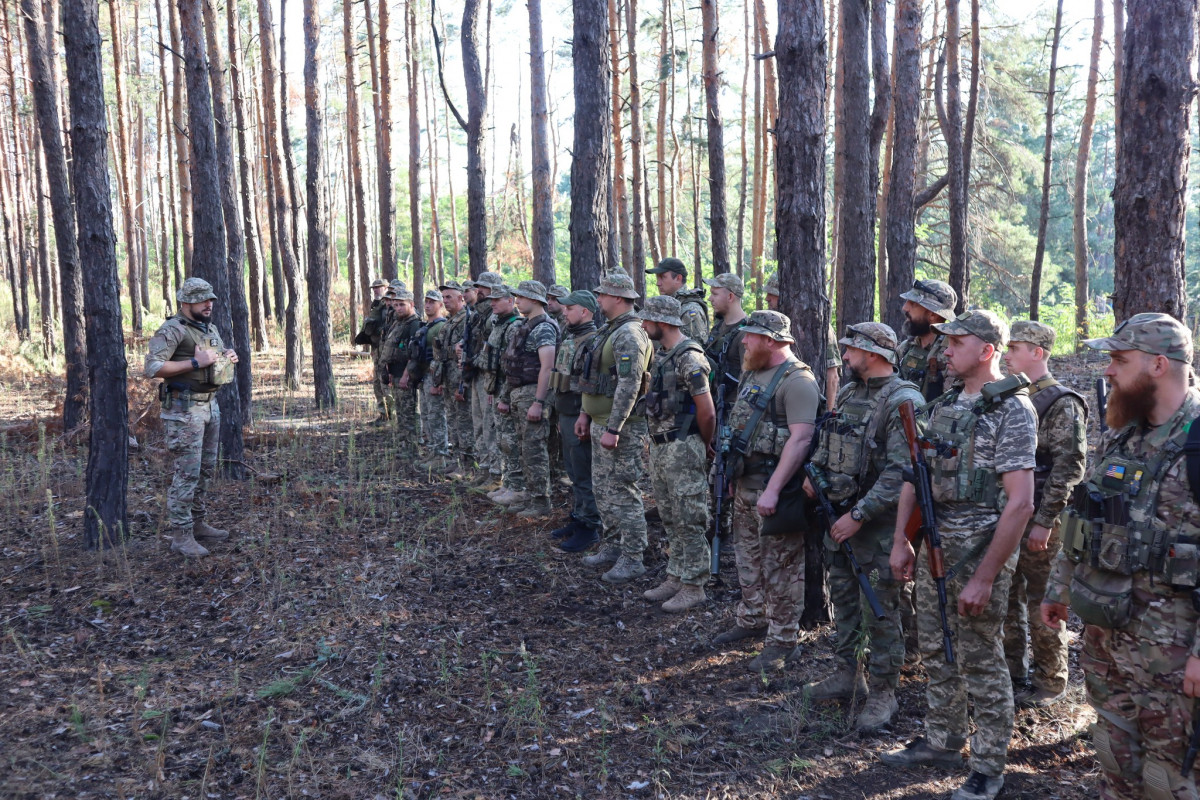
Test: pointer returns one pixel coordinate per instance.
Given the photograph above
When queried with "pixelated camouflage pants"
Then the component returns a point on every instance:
(433, 418)
(483, 422)
(615, 477)
(770, 571)
(532, 438)
(1049, 647)
(509, 444)
(458, 418)
(406, 410)
(884, 637)
(383, 400)
(678, 475)
(1134, 678)
(979, 677)
(192, 437)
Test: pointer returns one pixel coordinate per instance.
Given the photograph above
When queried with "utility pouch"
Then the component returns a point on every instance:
(1182, 566)
(1102, 598)
(164, 397)
(1113, 553)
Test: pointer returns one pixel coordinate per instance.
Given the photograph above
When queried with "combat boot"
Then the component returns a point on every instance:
(773, 658)
(565, 531)
(1032, 697)
(207, 533)
(583, 538)
(513, 499)
(626, 569)
(737, 633)
(607, 555)
(536, 508)
(920, 752)
(979, 787)
(878, 711)
(689, 596)
(184, 542)
(843, 683)
(495, 494)
(664, 591)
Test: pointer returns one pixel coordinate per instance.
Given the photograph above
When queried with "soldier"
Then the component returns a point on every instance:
(554, 304)
(681, 422)
(1061, 457)
(612, 380)
(582, 529)
(505, 323)
(981, 440)
(418, 374)
(371, 334)
(449, 378)
(770, 428)
(395, 353)
(833, 359)
(487, 450)
(557, 312)
(1128, 564)
(863, 453)
(671, 276)
(922, 357)
(188, 354)
(723, 346)
(528, 362)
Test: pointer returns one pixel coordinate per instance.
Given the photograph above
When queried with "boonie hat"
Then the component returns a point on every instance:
(937, 296)
(617, 284)
(727, 280)
(195, 290)
(489, 280)
(399, 294)
(582, 297)
(499, 292)
(662, 308)
(772, 284)
(873, 337)
(1156, 334)
(448, 285)
(1035, 333)
(533, 290)
(980, 322)
(558, 292)
(669, 265)
(772, 324)
(375, 284)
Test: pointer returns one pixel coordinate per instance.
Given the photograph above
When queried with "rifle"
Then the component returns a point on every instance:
(720, 479)
(1189, 758)
(1102, 402)
(820, 484)
(923, 522)
(464, 364)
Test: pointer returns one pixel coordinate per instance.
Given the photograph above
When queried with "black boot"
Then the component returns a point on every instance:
(583, 538)
(566, 530)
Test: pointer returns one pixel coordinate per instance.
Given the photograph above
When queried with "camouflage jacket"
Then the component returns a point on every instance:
(1061, 443)
(481, 328)
(446, 371)
(694, 313)
(500, 334)
(924, 366)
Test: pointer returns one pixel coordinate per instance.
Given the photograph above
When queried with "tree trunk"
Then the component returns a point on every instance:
(318, 233)
(182, 144)
(1039, 255)
(354, 150)
(476, 143)
(387, 196)
(1082, 291)
(543, 191)
(105, 522)
(285, 130)
(739, 253)
(620, 194)
(1149, 197)
(141, 232)
(952, 132)
(132, 269)
(880, 117)
(589, 226)
(1118, 68)
(637, 239)
(856, 220)
(800, 219)
(46, 294)
(45, 99)
(666, 67)
(412, 70)
(718, 218)
(901, 217)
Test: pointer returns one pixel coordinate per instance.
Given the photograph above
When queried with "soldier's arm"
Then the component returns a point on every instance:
(1067, 437)
(629, 351)
(885, 493)
(162, 346)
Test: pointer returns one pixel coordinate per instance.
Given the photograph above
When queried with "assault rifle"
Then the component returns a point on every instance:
(1102, 402)
(923, 522)
(721, 446)
(466, 370)
(820, 484)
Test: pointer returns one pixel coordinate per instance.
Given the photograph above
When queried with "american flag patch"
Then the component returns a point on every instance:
(1115, 471)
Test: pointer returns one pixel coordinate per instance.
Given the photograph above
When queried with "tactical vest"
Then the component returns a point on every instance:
(421, 347)
(206, 379)
(480, 326)
(667, 400)
(855, 436)
(395, 348)
(687, 299)
(522, 367)
(950, 435)
(1047, 391)
(495, 355)
(716, 348)
(372, 328)
(567, 362)
(598, 365)
(759, 442)
(918, 367)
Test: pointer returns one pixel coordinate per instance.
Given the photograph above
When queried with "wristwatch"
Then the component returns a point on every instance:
(195, 364)
(856, 515)
(610, 430)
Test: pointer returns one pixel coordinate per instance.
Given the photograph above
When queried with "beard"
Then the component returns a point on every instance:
(203, 316)
(1131, 404)
(915, 328)
(755, 360)
(654, 331)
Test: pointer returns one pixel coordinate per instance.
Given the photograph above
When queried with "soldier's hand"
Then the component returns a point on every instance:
(458, 349)
(809, 491)
(534, 414)
(582, 427)
(436, 391)
(231, 354)
(974, 598)
(404, 381)
(1191, 677)
(386, 379)
(205, 357)
(501, 407)
(609, 441)
(902, 560)
(1054, 615)
(845, 527)
(460, 397)
(1039, 536)
(491, 399)
(768, 502)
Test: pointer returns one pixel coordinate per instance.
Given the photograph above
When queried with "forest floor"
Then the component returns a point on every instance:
(373, 630)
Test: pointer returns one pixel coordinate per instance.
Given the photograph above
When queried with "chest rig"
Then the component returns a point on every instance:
(917, 366)
(855, 436)
(521, 367)
(599, 367)
(395, 351)
(421, 347)
(950, 436)
(206, 379)
(1044, 393)
(667, 399)
(758, 426)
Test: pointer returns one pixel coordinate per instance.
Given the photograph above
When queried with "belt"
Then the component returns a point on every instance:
(195, 397)
(672, 436)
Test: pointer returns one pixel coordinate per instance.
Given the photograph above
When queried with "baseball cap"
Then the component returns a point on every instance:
(873, 337)
(1157, 334)
(1036, 333)
(979, 322)
(937, 296)
(727, 280)
(669, 265)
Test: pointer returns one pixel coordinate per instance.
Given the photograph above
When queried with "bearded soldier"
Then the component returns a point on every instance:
(188, 354)
(833, 359)
(922, 358)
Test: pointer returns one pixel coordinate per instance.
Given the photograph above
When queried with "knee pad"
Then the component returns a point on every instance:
(1102, 741)
(1162, 781)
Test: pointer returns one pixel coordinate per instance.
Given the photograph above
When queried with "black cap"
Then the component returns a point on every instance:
(669, 265)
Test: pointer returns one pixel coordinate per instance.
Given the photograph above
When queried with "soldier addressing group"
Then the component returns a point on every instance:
(671, 277)
(1129, 566)
(771, 428)
(860, 459)
(188, 354)
(979, 447)
(681, 421)
(613, 380)
(1061, 457)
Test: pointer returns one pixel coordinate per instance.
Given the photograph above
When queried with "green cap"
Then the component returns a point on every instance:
(1035, 333)
(195, 290)
(770, 323)
(669, 265)
(582, 297)
(727, 280)
(979, 322)
(937, 296)
(617, 284)
(1156, 334)
(662, 308)
(533, 290)
(873, 337)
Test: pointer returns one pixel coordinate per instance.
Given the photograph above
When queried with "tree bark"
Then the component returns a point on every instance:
(718, 217)
(476, 143)
(1039, 255)
(901, 218)
(45, 99)
(666, 68)
(318, 233)
(387, 196)
(132, 269)
(620, 194)
(1082, 157)
(589, 225)
(285, 131)
(856, 220)
(952, 131)
(412, 70)
(354, 148)
(1150, 194)
(105, 522)
(182, 144)
(636, 234)
(543, 190)
(880, 117)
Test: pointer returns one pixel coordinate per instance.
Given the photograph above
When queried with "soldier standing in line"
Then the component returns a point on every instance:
(188, 354)
(1061, 457)
(554, 304)
(448, 377)
(487, 450)
(681, 421)
(981, 438)
(1128, 567)
(833, 359)
(395, 353)
(612, 381)
(528, 361)
(922, 355)
(371, 334)
(557, 312)
(771, 427)
(671, 276)
(862, 453)
(419, 378)
(505, 323)
(582, 529)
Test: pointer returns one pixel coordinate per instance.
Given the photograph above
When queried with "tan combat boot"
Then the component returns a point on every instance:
(688, 596)
(183, 542)
(626, 569)
(207, 533)
(846, 682)
(664, 591)
(878, 711)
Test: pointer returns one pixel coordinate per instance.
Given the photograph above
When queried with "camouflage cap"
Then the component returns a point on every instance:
(582, 297)
(978, 322)
(500, 292)
(557, 291)
(1035, 333)
(532, 290)
(937, 296)
(375, 284)
(448, 285)
(669, 265)
(1157, 334)
(772, 284)
(195, 290)
(434, 294)
(772, 324)
(618, 284)
(396, 283)
(489, 280)
(873, 337)
(662, 308)
(727, 280)
(399, 294)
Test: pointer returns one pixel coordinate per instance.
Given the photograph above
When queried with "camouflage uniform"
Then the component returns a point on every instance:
(483, 416)
(447, 373)
(678, 470)
(1001, 436)
(374, 324)
(1140, 621)
(502, 333)
(770, 568)
(1061, 457)
(863, 452)
(433, 406)
(576, 454)
(926, 366)
(395, 352)
(694, 312)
